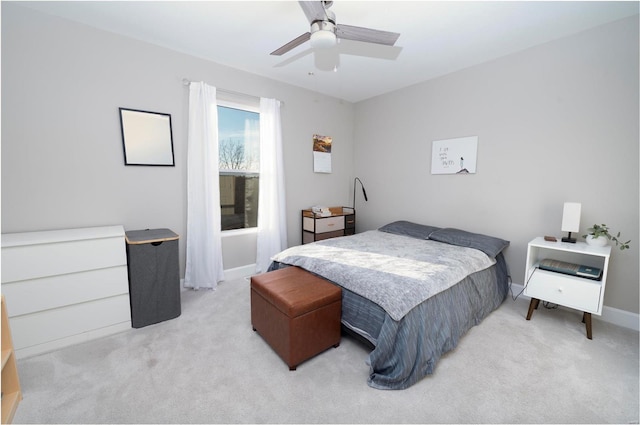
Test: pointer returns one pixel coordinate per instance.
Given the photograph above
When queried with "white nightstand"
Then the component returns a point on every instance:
(576, 292)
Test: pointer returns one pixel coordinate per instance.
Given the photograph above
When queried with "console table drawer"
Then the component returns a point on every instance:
(579, 293)
(350, 221)
(329, 224)
(329, 235)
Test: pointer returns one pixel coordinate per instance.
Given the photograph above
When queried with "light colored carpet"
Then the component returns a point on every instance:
(208, 366)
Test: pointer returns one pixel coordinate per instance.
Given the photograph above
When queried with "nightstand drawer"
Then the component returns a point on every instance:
(329, 224)
(575, 292)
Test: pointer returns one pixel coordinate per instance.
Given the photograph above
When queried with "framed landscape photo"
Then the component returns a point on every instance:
(146, 138)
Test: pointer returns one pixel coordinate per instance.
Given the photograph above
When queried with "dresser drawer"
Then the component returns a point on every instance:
(329, 224)
(569, 291)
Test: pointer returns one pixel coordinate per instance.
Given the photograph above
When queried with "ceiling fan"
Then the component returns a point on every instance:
(324, 31)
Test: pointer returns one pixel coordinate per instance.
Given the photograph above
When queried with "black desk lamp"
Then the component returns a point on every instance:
(364, 192)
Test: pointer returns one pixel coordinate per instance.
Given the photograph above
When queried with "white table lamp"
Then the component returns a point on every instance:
(571, 220)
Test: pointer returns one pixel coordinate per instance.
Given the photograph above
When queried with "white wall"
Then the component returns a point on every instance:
(556, 123)
(62, 159)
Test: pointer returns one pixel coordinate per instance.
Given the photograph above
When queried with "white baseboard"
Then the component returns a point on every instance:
(231, 274)
(240, 272)
(621, 318)
(612, 315)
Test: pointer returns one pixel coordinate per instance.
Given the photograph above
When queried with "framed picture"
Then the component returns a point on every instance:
(146, 138)
(454, 156)
(322, 153)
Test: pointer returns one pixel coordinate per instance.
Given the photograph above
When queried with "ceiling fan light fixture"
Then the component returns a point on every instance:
(323, 39)
(323, 35)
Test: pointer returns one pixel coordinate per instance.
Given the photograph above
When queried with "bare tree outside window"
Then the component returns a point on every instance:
(231, 154)
(234, 156)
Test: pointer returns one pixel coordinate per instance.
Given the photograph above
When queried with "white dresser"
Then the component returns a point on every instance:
(65, 286)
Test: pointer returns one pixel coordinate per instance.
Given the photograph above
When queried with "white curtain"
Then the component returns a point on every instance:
(204, 267)
(272, 222)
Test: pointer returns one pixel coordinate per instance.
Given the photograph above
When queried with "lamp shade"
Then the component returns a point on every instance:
(571, 217)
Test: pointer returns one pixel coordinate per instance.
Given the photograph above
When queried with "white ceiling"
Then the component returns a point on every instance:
(436, 38)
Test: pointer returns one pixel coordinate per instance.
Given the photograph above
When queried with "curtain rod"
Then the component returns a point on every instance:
(186, 82)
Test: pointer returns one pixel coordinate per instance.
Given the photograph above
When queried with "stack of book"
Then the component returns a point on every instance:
(322, 211)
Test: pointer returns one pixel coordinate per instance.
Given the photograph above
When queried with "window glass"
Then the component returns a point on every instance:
(239, 162)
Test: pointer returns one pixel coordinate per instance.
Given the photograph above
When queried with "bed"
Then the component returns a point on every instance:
(410, 290)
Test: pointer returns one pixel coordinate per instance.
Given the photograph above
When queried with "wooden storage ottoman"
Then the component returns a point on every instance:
(296, 312)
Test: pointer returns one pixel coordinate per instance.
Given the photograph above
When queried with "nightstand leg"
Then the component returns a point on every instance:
(586, 319)
(532, 306)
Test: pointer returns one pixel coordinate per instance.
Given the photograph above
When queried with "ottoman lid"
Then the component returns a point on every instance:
(295, 291)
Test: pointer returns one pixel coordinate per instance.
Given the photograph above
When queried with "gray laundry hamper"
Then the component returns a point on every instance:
(154, 276)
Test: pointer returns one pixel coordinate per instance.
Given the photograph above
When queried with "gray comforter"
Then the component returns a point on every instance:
(394, 271)
(400, 298)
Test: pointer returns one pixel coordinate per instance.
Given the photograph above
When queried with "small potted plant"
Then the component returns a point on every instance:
(599, 236)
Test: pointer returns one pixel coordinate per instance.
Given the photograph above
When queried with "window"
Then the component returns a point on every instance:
(239, 163)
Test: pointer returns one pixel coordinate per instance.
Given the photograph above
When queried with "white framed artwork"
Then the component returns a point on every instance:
(454, 156)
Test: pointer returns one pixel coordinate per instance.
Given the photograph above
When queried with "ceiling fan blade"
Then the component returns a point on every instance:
(294, 58)
(314, 10)
(368, 50)
(367, 35)
(292, 44)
